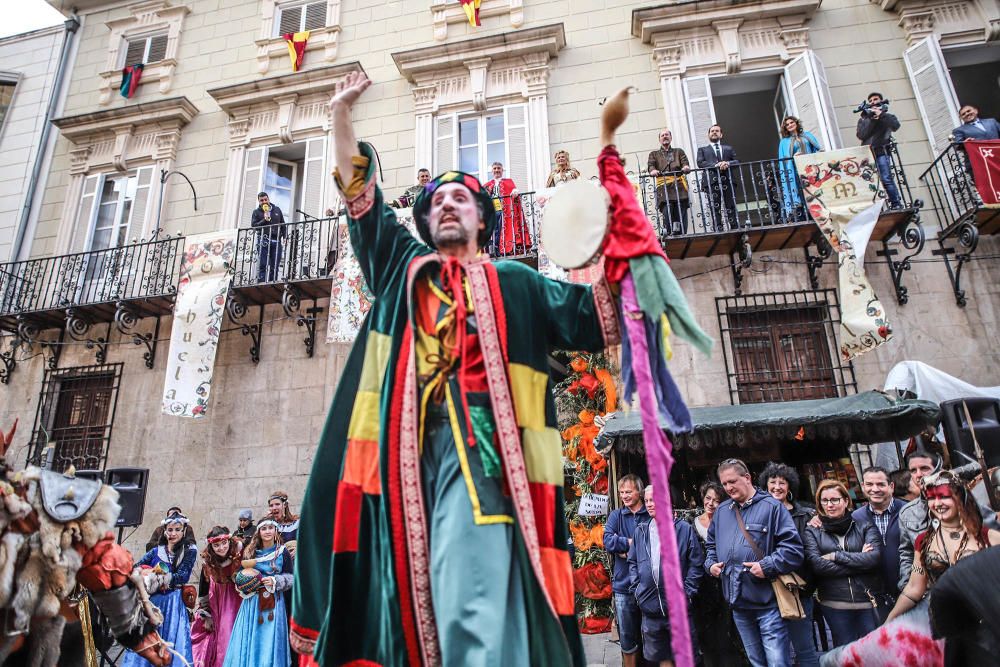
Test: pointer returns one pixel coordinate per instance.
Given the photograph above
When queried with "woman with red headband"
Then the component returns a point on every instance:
(956, 531)
(218, 601)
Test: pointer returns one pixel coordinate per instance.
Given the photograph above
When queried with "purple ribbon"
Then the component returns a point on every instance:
(659, 461)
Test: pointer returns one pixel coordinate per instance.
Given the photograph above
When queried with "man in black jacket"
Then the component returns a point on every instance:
(717, 159)
(875, 128)
(270, 222)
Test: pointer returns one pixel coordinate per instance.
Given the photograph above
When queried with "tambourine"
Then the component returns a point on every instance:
(248, 581)
(574, 223)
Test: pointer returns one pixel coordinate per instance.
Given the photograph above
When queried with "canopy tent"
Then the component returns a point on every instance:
(865, 418)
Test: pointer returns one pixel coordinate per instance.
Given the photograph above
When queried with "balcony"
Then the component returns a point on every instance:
(962, 217)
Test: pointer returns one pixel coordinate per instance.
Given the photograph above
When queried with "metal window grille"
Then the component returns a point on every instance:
(782, 346)
(76, 411)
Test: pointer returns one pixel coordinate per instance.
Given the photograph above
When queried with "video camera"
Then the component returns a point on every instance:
(866, 109)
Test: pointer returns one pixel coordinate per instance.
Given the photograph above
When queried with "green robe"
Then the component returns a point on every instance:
(362, 589)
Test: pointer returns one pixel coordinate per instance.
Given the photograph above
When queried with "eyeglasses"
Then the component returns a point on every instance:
(831, 501)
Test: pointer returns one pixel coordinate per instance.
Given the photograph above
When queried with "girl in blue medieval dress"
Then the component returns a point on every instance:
(794, 141)
(167, 567)
(260, 636)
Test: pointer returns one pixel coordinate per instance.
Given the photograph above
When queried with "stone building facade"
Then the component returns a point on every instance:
(218, 101)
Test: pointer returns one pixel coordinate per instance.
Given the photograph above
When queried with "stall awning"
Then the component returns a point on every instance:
(862, 418)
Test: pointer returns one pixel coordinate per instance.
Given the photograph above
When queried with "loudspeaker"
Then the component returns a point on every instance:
(96, 475)
(985, 413)
(131, 486)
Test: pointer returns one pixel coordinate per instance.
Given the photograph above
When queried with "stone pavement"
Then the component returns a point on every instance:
(601, 652)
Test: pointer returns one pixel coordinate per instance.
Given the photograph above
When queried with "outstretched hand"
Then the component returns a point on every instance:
(347, 92)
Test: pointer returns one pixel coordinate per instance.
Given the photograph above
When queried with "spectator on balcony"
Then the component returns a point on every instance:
(510, 236)
(975, 128)
(794, 141)
(563, 172)
(716, 159)
(410, 194)
(269, 222)
(875, 128)
(669, 165)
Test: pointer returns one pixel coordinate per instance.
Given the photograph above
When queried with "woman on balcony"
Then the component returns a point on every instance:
(794, 141)
(563, 173)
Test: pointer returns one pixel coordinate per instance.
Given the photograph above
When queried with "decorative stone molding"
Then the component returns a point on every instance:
(112, 138)
(719, 36)
(146, 18)
(423, 99)
(447, 12)
(271, 46)
(279, 109)
(955, 22)
(470, 73)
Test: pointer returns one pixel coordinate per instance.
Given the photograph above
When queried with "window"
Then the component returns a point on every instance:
(6, 97)
(75, 414)
(115, 207)
(473, 143)
(145, 50)
(297, 17)
(480, 143)
(781, 346)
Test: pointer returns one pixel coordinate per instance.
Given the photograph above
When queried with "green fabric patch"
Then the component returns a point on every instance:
(658, 292)
(483, 429)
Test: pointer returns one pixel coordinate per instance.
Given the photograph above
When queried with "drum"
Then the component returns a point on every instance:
(248, 581)
(574, 223)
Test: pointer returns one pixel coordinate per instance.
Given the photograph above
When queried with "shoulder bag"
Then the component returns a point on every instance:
(787, 587)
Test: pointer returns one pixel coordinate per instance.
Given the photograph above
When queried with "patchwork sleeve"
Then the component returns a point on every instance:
(382, 246)
(579, 317)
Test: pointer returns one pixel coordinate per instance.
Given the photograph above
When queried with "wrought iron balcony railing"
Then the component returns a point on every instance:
(288, 253)
(43, 289)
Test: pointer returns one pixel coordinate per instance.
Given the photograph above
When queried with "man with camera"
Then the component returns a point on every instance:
(875, 128)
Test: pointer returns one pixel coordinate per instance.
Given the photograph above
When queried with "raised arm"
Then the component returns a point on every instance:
(345, 144)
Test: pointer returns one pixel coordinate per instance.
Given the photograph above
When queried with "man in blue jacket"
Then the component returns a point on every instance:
(746, 578)
(882, 510)
(618, 533)
(646, 583)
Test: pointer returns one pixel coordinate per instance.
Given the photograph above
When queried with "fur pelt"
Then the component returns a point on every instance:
(51, 556)
(904, 641)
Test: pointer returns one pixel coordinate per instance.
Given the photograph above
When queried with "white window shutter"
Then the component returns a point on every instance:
(445, 143)
(315, 15)
(700, 108)
(809, 99)
(85, 218)
(313, 173)
(518, 162)
(141, 204)
(135, 51)
(253, 175)
(157, 49)
(289, 20)
(830, 131)
(934, 91)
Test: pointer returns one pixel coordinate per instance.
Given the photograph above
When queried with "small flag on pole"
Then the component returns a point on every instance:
(130, 79)
(296, 47)
(471, 8)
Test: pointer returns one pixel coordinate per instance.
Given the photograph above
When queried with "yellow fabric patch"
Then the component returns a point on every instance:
(361, 466)
(364, 419)
(376, 361)
(357, 184)
(543, 456)
(528, 387)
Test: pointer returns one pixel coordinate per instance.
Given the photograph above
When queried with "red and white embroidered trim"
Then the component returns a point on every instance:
(607, 316)
(361, 204)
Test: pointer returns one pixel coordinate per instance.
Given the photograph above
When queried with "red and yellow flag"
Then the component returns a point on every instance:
(296, 47)
(471, 8)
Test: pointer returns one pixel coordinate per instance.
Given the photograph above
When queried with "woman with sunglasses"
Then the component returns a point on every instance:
(955, 532)
(845, 556)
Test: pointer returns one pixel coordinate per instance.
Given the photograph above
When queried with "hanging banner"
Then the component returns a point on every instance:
(840, 188)
(984, 158)
(198, 311)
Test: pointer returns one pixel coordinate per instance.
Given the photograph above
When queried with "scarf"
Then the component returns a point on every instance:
(836, 526)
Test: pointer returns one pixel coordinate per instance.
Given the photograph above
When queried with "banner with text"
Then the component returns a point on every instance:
(198, 312)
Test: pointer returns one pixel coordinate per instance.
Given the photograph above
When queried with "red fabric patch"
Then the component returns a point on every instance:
(396, 504)
(629, 234)
(984, 158)
(361, 663)
(543, 501)
(496, 296)
(306, 660)
(347, 519)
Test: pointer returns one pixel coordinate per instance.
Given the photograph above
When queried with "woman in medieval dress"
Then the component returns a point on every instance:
(166, 568)
(218, 601)
(260, 635)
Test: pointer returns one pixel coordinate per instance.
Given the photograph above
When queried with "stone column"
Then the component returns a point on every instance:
(668, 62)
(71, 207)
(424, 104)
(164, 153)
(238, 130)
(536, 79)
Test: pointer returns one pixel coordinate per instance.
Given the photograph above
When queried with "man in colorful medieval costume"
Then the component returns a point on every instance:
(511, 236)
(434, 512)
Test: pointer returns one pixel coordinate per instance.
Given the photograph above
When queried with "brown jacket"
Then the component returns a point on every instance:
(668, 162)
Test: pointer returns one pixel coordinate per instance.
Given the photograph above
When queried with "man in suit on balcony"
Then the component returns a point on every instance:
(975, 128)
(270, 223)
(717, 159)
